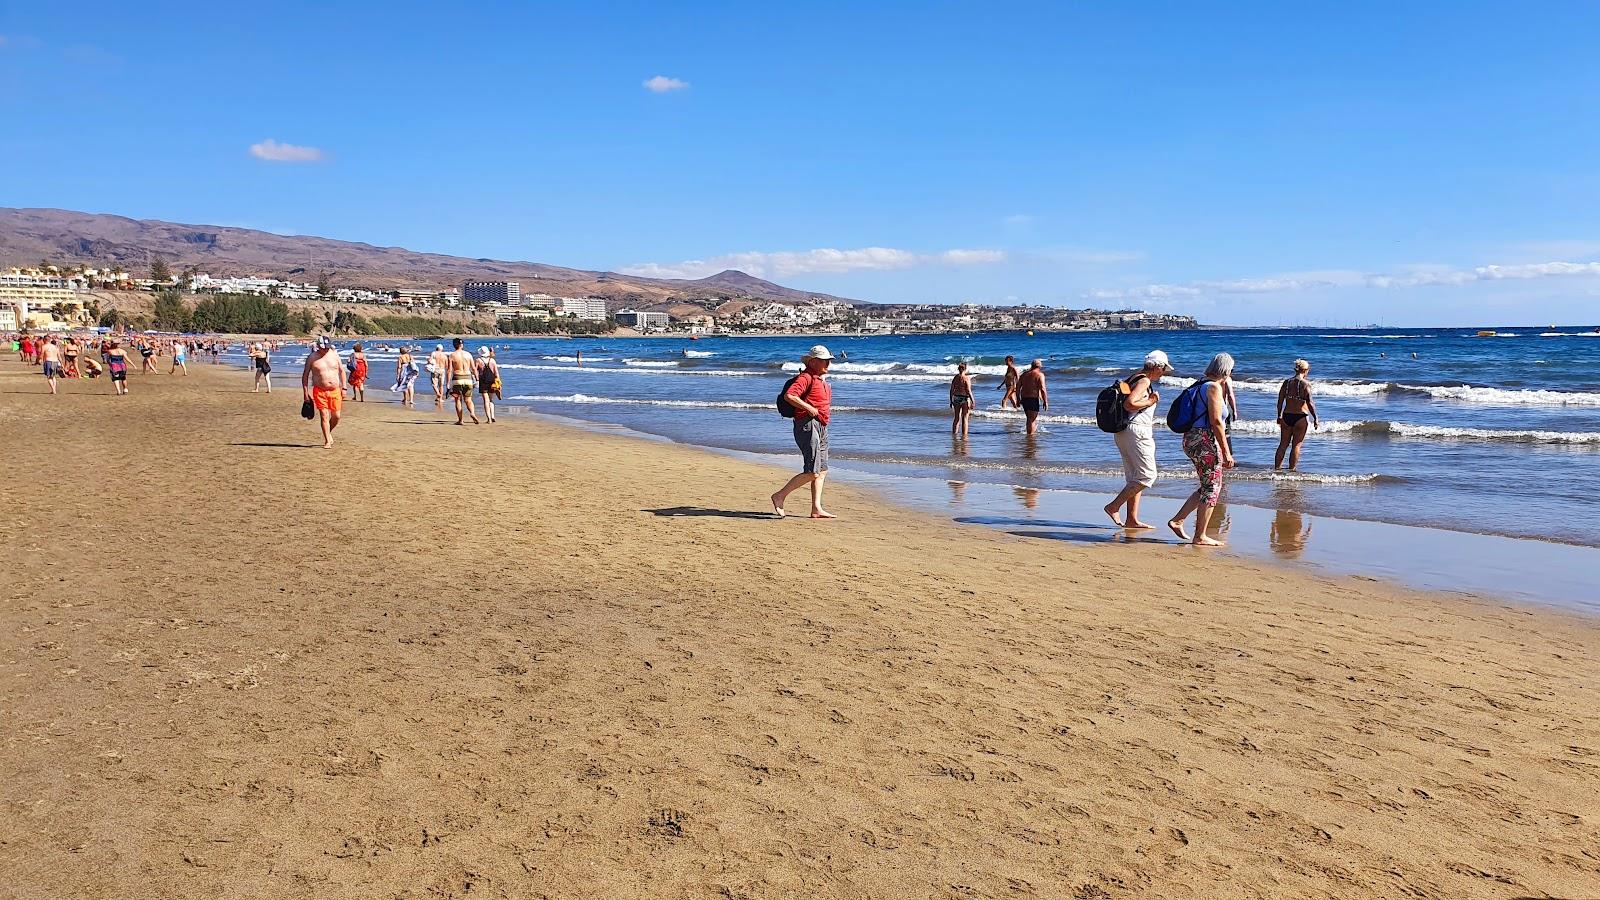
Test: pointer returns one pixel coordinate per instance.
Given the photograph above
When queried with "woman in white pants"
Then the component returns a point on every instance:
(1137, 442)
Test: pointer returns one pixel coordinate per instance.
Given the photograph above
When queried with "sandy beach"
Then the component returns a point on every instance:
(533, 661)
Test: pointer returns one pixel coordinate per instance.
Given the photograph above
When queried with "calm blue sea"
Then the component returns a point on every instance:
(1439, 428)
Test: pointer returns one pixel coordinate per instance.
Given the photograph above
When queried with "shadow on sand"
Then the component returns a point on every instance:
(702, 511)
(270, 444)
(1098, 536)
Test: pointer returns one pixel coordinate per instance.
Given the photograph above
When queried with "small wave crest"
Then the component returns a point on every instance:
(628, 401)
(1463, 393)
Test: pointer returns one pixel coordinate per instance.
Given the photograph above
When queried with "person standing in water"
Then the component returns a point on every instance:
(1137, 442)
(1032, 395)
(1009, 385)
(1206, 445)
(961, 401)
(812, 399)
(1294, 408)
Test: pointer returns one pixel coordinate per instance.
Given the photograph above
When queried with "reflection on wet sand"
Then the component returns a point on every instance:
(1290, 532)
(1291, 528)
(958, 491)
(1220, 522)
(1029, 496)
(1030, 446)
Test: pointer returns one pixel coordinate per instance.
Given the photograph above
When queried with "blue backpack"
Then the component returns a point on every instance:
(1188, 409)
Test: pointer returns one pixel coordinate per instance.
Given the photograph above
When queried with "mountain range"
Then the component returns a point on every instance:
(59, 236)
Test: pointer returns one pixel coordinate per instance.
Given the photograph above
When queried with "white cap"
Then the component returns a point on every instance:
(1157, 358)
(818, 352)
(483, 351)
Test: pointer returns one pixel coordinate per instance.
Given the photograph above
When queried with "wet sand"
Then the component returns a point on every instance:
(528, 661)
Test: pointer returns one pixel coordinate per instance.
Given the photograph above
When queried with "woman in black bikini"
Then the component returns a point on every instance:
(1294, 408)
(961, 401)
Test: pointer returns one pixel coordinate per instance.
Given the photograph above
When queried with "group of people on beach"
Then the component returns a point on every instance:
(1205, 412)
(1209, 407)
(84, 355)
(325, 379)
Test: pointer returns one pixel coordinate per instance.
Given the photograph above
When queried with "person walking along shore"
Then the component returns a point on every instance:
(1137, 441)
(1205, 442)
(488, 380)
(405, 377)
(812, 399)
(1294, 408)
(117, 364)
(322, 383)
(461, 373)
(261, 361)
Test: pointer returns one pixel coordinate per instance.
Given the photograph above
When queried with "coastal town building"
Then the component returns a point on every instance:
(591, 308)
(491, 292)
(642, 319)
(43, 297)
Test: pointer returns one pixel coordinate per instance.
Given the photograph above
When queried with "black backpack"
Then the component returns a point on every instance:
(785, 408)
(1110, 408)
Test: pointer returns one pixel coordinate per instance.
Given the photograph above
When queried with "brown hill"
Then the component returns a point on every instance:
(60, 236)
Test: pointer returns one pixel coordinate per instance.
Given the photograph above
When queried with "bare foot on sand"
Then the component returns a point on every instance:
(1177, 529)
(1201, 540)
(1138, 526)
(822, 514)
(328, 446)
(1111, 513)
(777, 507)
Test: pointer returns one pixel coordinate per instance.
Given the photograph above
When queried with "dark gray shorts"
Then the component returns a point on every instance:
(811, 437)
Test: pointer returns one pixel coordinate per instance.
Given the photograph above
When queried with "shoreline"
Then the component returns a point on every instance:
(1497, 568)
(231, 672)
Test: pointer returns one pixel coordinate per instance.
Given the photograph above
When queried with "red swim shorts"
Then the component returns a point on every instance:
(330, 399)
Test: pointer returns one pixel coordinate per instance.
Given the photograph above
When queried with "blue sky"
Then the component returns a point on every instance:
(1421, 163)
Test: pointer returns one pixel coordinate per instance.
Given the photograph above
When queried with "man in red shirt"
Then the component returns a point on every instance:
(812, 399)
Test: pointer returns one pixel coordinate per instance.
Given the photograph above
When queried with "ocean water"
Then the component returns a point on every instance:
(1437, 428)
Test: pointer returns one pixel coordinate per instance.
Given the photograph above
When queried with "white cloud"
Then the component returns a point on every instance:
(272, 151)
(1426, 276)
(661, 84)
(794, 262)
(1018, 220)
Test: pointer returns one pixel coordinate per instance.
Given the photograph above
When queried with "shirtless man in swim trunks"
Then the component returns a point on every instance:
(52, 363)
(1031, 394)
(322, 382)
(462, 375)
(436, 371)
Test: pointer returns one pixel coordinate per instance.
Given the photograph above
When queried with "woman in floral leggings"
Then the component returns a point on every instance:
(1206, 445)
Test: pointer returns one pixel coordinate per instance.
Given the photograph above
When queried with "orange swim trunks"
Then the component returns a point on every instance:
(330, 399)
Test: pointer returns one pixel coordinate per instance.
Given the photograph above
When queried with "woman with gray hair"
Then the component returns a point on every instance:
(1206, 444)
